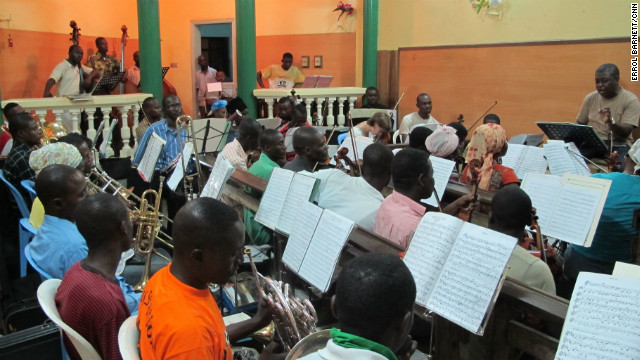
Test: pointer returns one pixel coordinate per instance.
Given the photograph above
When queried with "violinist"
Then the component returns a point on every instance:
(357, 198)
(378, 126)
(311, 150)
(297, 116)
(616, 231)
(511, 211)
(488, 144)
(400, 212)
(443, 142)
(418, 137)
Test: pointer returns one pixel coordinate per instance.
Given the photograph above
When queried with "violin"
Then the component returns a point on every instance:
(253, 157)
(545, 252)
(341, 156)
(75, 33)
(474, 171)
(613, 159)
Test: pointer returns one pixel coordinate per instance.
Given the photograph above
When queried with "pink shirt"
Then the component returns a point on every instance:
(398, 217)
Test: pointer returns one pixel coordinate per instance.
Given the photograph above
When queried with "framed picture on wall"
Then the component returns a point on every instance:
(317, 61)
(305, 61)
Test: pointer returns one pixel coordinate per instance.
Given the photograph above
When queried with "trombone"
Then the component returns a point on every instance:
(185, 122)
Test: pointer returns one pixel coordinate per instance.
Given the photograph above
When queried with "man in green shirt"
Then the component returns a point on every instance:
(273, 155)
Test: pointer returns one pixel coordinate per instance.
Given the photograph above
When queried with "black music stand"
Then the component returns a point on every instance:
(108, 82)
(165, 69)
(210, 134)
(585, 138)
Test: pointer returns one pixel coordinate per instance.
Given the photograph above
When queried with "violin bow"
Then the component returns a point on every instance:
(481, 116)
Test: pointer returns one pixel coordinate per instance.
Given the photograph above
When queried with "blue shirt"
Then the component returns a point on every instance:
(58, 245)
(612, 240)
(170, 151)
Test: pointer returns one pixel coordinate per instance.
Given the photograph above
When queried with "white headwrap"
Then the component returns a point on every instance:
(442, 142)
(634, 154)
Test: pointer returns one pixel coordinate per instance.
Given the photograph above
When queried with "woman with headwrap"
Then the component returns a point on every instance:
(442, 142)
(488, 144)
(56, 153)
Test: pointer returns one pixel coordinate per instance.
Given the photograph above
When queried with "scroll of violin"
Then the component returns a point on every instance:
(474, 171)
(340, 156)
(75, 33)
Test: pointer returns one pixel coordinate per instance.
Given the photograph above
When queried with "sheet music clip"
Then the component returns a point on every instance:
(585, 138)
(487, 315)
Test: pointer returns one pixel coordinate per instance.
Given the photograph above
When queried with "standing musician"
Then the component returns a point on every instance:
(400, 212)
(311, 149)
(178, 317)
(616, 232)
(372, 96)
(70, 76)
(488, 144)
(168, 130)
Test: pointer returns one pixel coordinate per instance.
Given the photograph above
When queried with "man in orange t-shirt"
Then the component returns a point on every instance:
(178, 317)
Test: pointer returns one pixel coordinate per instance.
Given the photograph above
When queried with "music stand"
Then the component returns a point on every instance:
(165, 69)
(108, 82)
(585, 138)
(210, 134)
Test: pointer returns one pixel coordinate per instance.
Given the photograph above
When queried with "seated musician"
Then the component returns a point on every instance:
(26, 137)
(273, 152)
(491, 119)
(418, 137)
(89, 298)
(457, 155)
(511, 211)
(284, 111)
(178, 317)
(373, 303)
(152, 112)
(422, 117)
(167, 129)
(6, 142)
(615, 234)
(371, 95)
(488, 144)
(400, 212)
(58, 244)
(378, 125)
(443, 142)
(56, 153)
(84, 145)
(357, 198)
(311, 150)
(247, 141)
(610, 110)
(298, 119)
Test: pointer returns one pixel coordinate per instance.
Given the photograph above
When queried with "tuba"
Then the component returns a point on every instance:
(293, 319)
(51, 132)
(148, 224)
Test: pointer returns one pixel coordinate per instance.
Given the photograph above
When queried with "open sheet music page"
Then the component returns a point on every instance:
(324, 250)
(603, 320)
(601, 186)
(626, 270)
(429, 249)
(107, 138)
(150, 158)
(273, 197)
(565, 158)
(178, 172)
(361, 143)
(523, 159)
(307, 217)
(221, 172)
(442, 169)
(471, 277)
(300, 191)
(543, 190)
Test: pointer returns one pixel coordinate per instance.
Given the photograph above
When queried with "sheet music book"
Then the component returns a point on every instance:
(317, 81)
(442, 169)
(107, 138)
(568, 208)
(465, 268)
(178, 172)
(214, 87)
(626, 270)
(603, 320)
(565, 158)
(221, 172)
(314, 247)
(523, 159)
(281, 200)
(150, 158)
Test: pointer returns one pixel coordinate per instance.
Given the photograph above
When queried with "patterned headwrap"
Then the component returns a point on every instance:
(486, 141)
(56, 153)
(442, 142)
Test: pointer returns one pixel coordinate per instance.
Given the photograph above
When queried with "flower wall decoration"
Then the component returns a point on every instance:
(343, 8)
(478, 5)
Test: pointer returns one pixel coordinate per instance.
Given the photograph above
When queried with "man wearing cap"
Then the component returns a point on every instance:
(218, 110)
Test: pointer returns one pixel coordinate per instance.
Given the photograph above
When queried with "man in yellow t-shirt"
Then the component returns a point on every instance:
(283, 76)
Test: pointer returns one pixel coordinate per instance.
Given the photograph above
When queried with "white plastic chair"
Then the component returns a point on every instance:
(128, 337)
(396, 134)
(46, 297)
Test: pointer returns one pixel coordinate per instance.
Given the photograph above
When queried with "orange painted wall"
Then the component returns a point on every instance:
(338, 57)
(531, 83)
(26, 66)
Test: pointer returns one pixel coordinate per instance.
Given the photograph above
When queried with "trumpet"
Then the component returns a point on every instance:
(148, 224)
(293, 319)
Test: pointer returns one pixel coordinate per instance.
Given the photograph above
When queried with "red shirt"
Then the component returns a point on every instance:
(500, 177)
